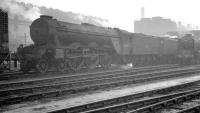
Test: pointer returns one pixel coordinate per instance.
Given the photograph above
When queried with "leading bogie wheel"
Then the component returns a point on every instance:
(42, 66)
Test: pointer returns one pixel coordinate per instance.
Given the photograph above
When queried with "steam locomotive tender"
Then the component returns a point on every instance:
(74, 46)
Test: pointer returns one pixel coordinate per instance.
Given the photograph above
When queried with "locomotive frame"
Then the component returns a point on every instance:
(61, 58)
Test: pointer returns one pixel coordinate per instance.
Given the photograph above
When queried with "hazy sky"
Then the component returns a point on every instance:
(122, 13)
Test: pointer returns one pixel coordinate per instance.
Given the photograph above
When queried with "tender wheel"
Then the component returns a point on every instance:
(42, 66)
(61, 66)
(76, 64)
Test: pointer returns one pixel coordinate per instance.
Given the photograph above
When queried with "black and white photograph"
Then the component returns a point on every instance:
(99, 56)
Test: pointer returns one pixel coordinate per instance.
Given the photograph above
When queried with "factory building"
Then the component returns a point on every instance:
(156, 26)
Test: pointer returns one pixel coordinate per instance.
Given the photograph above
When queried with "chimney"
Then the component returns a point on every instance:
(142, 12)
(45, 16)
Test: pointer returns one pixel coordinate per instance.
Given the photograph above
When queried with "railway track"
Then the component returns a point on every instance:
(32, 74)
(193, 109)
(135, 103)
(10, 73)
(22, 76)
(187, 103)
(76, 77)
(17, 94)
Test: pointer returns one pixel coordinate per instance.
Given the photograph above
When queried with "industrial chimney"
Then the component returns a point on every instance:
(142, 12)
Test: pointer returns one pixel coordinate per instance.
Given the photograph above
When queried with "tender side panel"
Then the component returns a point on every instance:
(170, 46)
(186, 47)
(145, 45)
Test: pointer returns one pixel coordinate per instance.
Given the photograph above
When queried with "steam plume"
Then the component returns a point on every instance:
(14, 8)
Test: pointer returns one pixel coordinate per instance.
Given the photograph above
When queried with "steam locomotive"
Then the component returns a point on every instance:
(63, 46)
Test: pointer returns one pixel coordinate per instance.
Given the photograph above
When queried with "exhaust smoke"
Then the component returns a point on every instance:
(15, 8)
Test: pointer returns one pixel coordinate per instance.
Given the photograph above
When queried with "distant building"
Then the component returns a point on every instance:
(156, 26)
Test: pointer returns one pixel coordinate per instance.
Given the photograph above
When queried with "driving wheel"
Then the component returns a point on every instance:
(92, 61)
(42, 66)
(76, 64)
